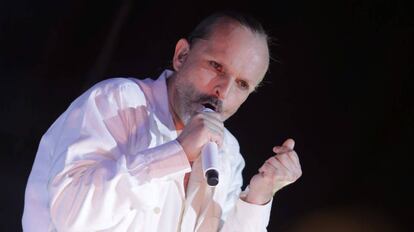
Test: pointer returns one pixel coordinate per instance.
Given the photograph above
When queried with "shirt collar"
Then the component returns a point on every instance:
(161, 104)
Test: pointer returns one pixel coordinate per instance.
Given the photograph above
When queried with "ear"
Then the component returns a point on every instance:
(181, 52)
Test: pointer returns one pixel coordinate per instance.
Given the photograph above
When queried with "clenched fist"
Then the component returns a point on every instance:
(277, 172)
(202, 128)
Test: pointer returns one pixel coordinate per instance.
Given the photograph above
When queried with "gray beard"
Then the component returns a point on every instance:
(191, 102)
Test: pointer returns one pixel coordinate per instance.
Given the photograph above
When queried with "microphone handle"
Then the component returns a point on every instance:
(209, 155)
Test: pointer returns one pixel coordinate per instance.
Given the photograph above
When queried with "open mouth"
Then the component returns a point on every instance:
(209, 106)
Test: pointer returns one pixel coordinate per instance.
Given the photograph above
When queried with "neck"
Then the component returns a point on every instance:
(178, 123)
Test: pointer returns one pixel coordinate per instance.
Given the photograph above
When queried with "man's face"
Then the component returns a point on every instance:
(218, 72)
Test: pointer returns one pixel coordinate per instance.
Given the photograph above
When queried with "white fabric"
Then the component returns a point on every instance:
(110, 162)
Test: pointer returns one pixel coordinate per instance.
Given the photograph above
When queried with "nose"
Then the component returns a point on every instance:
(222, 87)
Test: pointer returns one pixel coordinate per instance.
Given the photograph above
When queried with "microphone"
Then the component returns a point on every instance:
(209, 159)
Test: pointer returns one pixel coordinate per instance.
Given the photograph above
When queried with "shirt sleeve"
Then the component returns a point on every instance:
(247, 217)
(101, 154)
(239, 215)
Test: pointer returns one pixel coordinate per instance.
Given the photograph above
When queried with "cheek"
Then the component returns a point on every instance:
(205, 75)
(233, 104)
(204, 81)
(199, 74)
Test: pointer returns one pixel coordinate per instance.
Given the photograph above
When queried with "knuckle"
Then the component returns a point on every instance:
(202, 127)
(199, 120)
(202, 120)
(198, 115)
(273, 159)
(281, 158)
(293, 154)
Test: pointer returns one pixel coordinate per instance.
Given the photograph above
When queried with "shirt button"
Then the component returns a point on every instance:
(157, 210)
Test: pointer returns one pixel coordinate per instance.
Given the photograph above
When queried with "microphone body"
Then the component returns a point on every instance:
(209, 159)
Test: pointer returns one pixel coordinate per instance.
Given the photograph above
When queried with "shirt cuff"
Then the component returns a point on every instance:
(255, 215)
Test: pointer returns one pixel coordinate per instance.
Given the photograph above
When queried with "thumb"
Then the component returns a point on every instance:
(290, 143)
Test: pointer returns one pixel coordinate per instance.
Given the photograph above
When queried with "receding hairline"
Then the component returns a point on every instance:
(209, 25)
(227, 21)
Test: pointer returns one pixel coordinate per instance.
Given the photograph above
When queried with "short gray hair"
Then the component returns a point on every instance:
(204, 28)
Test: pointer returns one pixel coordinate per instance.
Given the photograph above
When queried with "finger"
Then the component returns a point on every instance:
(295, 158)
(281, 149)
(292, 153)
(290, 163)
(267, 169)
(209, 122)
(287, 169)
(286, 161)
(216, 134)
(213, 116)
(290, 143)
(209, 115)
(275, 163)
(213, 122)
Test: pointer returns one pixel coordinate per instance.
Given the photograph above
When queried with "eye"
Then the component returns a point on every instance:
(218, 67)
(243, 84)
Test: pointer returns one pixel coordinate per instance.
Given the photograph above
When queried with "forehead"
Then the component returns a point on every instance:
(241, 51)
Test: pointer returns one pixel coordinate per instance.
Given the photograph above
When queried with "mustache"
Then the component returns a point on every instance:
(211, 102)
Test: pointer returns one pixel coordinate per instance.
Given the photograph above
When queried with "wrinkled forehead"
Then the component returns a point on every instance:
(227, 31)
(237, 40)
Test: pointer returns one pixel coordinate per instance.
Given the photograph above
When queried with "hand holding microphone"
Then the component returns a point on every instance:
(202, 135)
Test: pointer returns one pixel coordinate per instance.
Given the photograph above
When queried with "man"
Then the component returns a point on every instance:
(125, 156)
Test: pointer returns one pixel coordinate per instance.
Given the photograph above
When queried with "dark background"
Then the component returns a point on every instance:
(340, 84)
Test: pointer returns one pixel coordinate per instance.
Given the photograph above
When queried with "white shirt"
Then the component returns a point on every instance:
(111, 162)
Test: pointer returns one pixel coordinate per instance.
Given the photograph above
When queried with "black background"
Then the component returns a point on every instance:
(340, 84)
